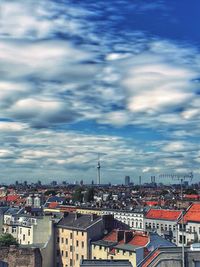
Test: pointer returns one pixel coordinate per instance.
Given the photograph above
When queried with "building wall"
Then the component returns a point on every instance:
(163, 227)
(71, 247)
(74, 245)
(135, 220)
(48, 252)
(89, 211)
(191, 233)
(18, 257)
(25, 235)
(42, 230)
(101, 252)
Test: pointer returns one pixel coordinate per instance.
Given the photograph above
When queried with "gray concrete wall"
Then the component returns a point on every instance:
(21, 257)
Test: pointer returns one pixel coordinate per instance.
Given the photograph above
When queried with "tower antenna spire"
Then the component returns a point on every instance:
(98, 171)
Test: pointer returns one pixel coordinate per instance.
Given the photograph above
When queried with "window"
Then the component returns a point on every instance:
(70, 235)
(58, 239)
(70, 248)
(62, 252)
(76, 256)
(62, 240)
(77, 243)
(82, 244)
(29, 232)
(77, 232)
(82, 233)
(66, 241)
(20, 230)
(66, 253)
(24, 237)
(70, 262)
(82, 257)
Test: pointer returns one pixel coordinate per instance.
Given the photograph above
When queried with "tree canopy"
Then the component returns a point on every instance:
(6, 240)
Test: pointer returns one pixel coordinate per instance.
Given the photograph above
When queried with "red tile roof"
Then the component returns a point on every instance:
(12, 198)
(193, 196)
(193, 213)
(112, 236)
(139, 240)
(150, 259)
(170, 215)
(151, 203)
(53, 205)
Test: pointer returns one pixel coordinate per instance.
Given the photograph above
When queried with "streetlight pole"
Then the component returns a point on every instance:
(183, 243)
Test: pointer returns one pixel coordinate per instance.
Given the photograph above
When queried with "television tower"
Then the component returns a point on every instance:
(98, 171)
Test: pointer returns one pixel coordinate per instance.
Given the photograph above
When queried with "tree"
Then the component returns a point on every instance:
(77, 195)
(89, 195)
(6, 240)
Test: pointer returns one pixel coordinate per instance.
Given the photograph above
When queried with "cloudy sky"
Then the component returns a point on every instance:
(119, 78)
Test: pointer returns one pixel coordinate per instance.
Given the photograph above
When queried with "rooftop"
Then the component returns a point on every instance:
(161, 214)
(193, 213)
(78, 221)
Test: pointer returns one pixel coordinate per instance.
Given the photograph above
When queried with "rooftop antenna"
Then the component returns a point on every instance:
(98, 171)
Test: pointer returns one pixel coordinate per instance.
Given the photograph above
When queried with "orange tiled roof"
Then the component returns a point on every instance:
(12, 198)
(193, 213)
(139, 240)
(112, 236)
(171, 215)
(53, 205)
(149, 260)
(151, 203)
(193, 196)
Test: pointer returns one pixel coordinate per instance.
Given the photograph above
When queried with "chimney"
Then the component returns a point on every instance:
(119, 235)
(93, 217)
(128, 235)
(77, 215)
(66, 214)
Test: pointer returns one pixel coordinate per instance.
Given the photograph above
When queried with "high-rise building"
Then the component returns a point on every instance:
(127, 180)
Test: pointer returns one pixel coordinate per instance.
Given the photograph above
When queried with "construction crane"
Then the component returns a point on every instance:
(180, 177)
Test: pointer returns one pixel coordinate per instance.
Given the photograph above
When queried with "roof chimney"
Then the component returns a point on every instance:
(128, 235)
(93, 216)
(76, 215)
(119, 235)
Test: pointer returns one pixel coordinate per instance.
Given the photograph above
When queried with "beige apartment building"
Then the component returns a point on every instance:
(74, 234)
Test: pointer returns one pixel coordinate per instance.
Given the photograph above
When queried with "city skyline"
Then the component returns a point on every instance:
(119, 79)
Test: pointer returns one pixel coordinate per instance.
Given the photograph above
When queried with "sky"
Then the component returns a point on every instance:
(118, 78)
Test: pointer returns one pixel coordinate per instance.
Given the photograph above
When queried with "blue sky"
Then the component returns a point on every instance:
(116, 78)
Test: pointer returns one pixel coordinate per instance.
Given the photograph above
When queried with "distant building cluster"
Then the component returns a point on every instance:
(95, 225)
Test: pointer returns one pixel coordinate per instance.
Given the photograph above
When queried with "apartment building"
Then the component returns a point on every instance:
(28, 229)
(164, 222)
(190, 226)
(120, 245)
(74, 233)
(133, 219)
(127, 245)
